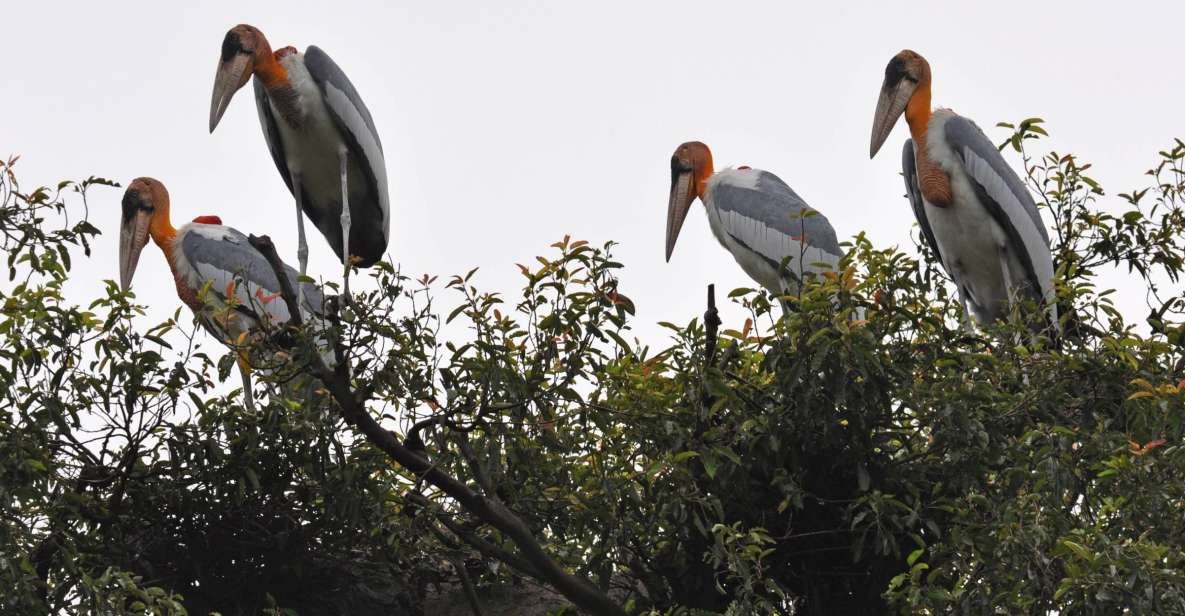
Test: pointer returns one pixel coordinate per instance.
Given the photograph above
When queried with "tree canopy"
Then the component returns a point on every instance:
(862, 454)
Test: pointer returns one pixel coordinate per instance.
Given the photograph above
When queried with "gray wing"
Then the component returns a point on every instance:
(775, 205)
(222, 257)
(909, 170)
(353, 119)
(1006, 198)
(271, 133)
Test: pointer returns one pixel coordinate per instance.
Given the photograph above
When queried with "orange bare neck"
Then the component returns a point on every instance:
(163, 233)
(932, 180)
(269, 70)
(917, 111)
(703, 171)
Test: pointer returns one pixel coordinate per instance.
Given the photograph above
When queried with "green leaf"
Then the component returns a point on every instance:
(252, 478)
(1078, 549)
(711, 463)
(862, 478)
(456, 311)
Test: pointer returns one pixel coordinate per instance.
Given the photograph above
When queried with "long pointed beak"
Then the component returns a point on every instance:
(232, 75)
(677, 207)
(133, 235)
(889, 107)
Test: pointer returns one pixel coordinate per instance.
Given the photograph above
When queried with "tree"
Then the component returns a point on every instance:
(812, 464)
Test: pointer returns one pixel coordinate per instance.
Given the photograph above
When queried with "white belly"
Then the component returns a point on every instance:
(973, 244)
(314, 148)
(966, 238)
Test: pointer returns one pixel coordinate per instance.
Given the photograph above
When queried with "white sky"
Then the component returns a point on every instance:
(509, 124)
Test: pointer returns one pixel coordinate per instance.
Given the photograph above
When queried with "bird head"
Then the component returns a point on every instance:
(243, 50)
(907, 77)
(691, 166)
(145, 202)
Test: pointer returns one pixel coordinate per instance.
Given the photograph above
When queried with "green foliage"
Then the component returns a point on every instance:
(123, 472)
(863, 454)
(117, 592)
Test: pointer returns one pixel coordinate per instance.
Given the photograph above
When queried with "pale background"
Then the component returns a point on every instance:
(509, 124)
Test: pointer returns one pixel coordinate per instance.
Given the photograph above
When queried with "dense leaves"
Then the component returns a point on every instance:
(863, 454)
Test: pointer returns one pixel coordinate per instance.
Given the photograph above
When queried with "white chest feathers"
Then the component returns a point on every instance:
(312, 149)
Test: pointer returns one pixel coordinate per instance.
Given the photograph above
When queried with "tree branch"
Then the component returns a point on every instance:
(467, 585)
(579, 591)
(475, 467)
(711, 327)
(485, 548)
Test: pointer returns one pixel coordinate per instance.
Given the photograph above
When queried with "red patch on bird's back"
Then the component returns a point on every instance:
(208, 220)
(744, 168)
(265, 298)
(284, 51)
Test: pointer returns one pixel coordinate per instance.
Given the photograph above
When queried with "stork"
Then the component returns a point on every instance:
(770, 231)
(228, 284)
(974, 212)
(321, 137)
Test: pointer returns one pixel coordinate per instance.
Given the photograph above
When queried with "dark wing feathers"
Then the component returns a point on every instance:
(326, 72)
(776, 205)
(1006, 198)
(909, 170)
(271, 133)
(231, 258)
(353, 119)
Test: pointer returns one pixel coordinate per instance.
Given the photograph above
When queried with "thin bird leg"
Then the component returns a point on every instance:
(1024, 371)
(782, 294)
(344, 155)
(248, 391)
(1050, 300)
(1008, 288)
(789, 284)
(966, 310)
(302, 250)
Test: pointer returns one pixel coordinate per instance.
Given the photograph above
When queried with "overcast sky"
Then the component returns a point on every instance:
(509, 124)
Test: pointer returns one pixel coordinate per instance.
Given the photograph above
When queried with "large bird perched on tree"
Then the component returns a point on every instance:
(229, 285)
(975, 213)
(770, 231)
(321, 137)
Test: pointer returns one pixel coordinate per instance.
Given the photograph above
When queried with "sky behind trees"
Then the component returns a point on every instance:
(508, 125)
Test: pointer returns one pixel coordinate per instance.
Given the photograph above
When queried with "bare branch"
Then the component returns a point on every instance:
(711, 326)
